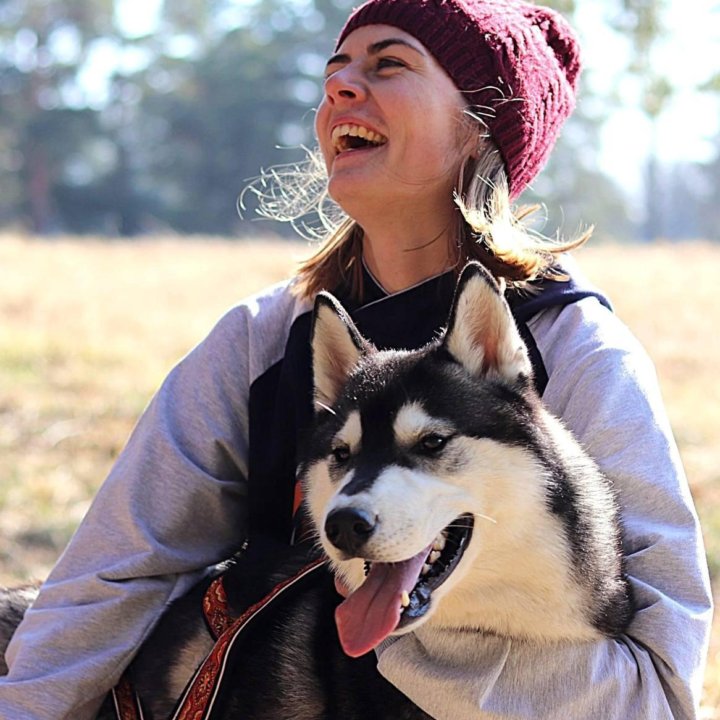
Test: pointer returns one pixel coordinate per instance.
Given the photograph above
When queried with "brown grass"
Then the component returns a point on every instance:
(88, 329)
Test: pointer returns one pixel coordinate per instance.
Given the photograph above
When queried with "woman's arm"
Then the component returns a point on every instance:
(173, 504)
(604, 387)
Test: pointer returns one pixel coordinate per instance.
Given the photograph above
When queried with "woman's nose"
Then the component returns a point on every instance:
(345, 85)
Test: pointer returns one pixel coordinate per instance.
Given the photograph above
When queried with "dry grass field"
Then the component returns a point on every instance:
(88, 329)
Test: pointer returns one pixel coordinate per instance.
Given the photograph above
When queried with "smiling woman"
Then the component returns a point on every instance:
(382, 81)
(435, 115)
(378, 84)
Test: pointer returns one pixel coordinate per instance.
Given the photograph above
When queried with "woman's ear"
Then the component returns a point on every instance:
(472, 140)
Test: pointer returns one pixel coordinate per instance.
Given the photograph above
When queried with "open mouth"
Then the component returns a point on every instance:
(355, 137)
(447, 549)
(396, 594)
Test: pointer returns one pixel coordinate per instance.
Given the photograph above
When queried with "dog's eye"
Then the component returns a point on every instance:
(341, 454)
(432, 443)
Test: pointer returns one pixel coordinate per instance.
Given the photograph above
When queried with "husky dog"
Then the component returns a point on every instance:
(443, 493)
(13, 603)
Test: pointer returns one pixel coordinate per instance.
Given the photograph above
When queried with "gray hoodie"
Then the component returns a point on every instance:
(177, 501)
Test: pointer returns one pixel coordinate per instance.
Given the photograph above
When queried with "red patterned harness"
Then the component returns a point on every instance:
(201, 692)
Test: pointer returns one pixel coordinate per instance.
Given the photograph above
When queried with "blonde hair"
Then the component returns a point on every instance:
(489, 230)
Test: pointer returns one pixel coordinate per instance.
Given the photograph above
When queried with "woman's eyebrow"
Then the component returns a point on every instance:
(382, 44)
(339, 58)
(374, 49)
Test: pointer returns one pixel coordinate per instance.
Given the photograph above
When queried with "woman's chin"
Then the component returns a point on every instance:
(355, 194)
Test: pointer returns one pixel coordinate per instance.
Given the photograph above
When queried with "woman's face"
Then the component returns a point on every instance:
(390, 125)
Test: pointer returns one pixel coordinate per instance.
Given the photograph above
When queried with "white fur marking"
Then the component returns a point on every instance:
(351, 432)
(412, 422)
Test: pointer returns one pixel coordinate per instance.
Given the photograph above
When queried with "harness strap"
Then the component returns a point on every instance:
(216, 608)
(125, 700)
(202, 690)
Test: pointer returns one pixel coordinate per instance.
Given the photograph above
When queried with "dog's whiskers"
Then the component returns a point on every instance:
(480, 516)
(306, 534)
(323, 406)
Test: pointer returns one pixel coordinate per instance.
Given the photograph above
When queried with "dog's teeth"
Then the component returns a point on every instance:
(425, 569)
(434, 555)
(439, 543)
(405, 598)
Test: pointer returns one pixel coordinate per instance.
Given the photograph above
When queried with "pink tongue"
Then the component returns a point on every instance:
(372, 612)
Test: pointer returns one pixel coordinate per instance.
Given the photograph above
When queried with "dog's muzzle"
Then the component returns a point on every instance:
(395, 595)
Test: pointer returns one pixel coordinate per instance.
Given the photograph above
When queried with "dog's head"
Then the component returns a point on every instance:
(404, 448)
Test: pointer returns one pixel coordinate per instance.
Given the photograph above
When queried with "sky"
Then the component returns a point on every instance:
(688, 128)
(137, 17)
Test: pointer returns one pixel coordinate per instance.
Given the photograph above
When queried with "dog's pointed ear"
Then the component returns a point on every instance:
(337, 346)
(481, 333)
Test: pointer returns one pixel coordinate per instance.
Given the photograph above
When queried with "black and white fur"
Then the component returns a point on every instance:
(13, 603)
(544, 560)
(450, 442)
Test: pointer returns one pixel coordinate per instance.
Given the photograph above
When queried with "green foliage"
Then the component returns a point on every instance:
(104, 132)
(43, 49)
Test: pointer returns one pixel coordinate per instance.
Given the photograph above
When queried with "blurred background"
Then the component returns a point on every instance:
(128, 130)
(130, 117)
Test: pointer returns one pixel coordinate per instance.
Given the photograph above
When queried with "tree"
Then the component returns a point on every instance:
(573, 191)
(641, 21)
(707, 203)
(43, 47)
(227, 86)
(185, 114)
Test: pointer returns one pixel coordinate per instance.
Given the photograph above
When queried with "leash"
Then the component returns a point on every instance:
(202, 691)
(216, 608)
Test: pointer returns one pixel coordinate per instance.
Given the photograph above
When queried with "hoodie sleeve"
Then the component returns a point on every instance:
(603, 386)
(174, 503)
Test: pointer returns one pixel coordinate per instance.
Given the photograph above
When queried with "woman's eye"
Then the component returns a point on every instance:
(341, 454)
(432, 443)
(388, 62)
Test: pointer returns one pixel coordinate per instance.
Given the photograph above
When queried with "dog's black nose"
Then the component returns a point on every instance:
(348, 529)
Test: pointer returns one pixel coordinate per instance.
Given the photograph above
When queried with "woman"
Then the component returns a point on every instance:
(424, 99)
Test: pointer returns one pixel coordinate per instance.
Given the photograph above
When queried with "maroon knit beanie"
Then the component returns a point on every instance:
(517, 62)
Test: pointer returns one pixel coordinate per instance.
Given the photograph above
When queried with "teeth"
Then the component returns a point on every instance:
(345, 130)
(439, 543)
(426, 569)
(405, 598)
(434, 555)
